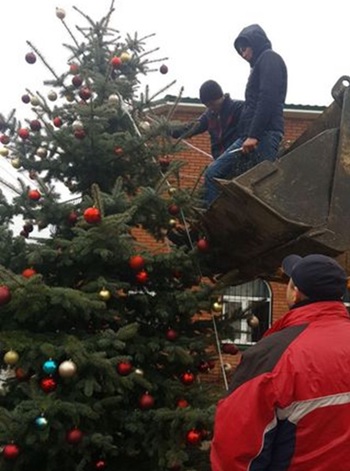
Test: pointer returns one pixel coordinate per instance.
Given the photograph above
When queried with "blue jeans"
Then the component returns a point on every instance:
(228, 166)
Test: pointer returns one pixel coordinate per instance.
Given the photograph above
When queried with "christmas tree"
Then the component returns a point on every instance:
(104, 354)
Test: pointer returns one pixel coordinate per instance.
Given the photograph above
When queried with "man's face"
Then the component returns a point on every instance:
(215, 105)
(246, 52)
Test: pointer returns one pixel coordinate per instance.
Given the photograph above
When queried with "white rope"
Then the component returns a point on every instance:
(197, 149)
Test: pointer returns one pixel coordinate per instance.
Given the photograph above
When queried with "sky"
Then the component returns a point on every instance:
(195, 39)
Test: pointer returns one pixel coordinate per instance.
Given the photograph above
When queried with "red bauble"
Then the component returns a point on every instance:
(187, 378)
(116, 62)
(193, 437)
(182, 403)
(171, 334)
(48, 385)
(173, 209)
(4, 139)
(57, 122)
(203, 245)
(164, 162)
(34, 195)
(35, 125)
(85, 93)
(23, 133)
(72, 217)
(21, 374)
(163, 69)
(77, 81)
(10, 451)
(73, 68)
(30, 57)
(79, 133)
(5, 295)
(74, 436)
(28, 272)
(100, 465)
(118, 151)
(92, 215)
(136, 262)
(229, 348)
(142, 277)
(146, 401)
(124, 368)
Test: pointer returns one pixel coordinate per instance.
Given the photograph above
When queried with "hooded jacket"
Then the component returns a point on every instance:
(266, 87)
(289, 404)
(222, 127)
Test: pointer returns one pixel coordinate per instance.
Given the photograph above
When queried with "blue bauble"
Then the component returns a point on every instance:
(41, 422)
(50, 367)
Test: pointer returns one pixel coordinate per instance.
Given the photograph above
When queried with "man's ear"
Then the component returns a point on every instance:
(297, 294)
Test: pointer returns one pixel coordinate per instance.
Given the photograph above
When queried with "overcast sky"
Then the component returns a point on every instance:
(196, 37)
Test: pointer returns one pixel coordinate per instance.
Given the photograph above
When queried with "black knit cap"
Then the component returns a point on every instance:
(210, 90)
(319, 277)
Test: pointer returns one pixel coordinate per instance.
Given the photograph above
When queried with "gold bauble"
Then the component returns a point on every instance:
(4, 151)
(125, 57)
(172, 190)
(113, 99)
(34, 101)
(11, 357)
(253, 322)
(60, 13)
(52, 95)
(172, 222)
(104, 294)
(41, 152)
(16, 162)
(217, 307)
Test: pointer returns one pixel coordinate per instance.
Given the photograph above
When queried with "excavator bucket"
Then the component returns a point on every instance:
(299, 203)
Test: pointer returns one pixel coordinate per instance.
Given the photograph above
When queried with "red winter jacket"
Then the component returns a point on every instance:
(289, 404)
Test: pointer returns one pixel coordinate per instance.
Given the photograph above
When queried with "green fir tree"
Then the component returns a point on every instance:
(104, 357)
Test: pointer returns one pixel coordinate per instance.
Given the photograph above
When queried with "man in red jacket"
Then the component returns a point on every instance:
(288, 408)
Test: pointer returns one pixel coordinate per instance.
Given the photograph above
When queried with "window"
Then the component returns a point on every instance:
(249, 307)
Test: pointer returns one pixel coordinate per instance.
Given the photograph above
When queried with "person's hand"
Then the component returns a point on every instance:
(249, 145)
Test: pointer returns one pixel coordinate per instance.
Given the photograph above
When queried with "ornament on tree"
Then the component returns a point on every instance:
(79, 134)
(77, 81)
(217, 306)
(57, 122)
(136, 262)
(77, 125)
(30, 57)
(172, 190)
(173, 209)
(118, 151)
(50, 367)
(28, 272)
(34, 101)
(74, 68)
(4, 151)
(25, 99)
(164, 162)
(163, 69)
(253, 322)
(85, 93)
(92, 215)
(187, 378)
(113, 99)
(194, 437)
(67, 369)
(203, 245)
(142, 277)
(124, 368)
(52, 95)
(41, 152)
(227, 367)
(5, 295)
(100, 465)
(139, 371)
(229, 348)
(11, 357)
(74, 436)
(116, 62)
(125, 57)
(35, 125)
(146, 401)
(203, 366)
(182, 403)
(23, 133)
(171, 335)
(21, 374)
(34, 195)
(41, 422)
(10, 451)
(28, 226)
(145, 126)
(172, 223)
(105, 294)
(4, 139)
(48, 385)
(60, 13)
(72, 217)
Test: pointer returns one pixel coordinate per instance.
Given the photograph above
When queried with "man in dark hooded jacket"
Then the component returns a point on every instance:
(262, 123)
